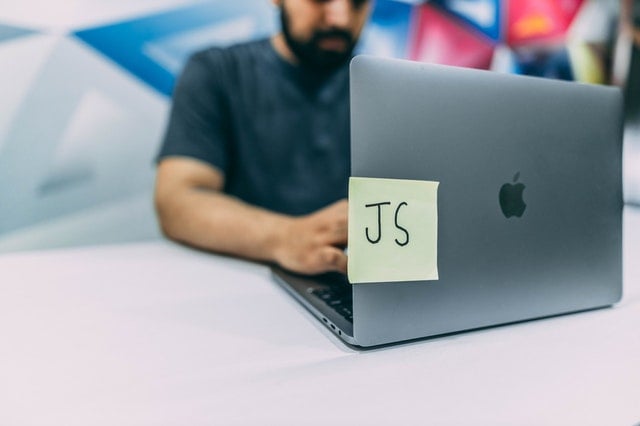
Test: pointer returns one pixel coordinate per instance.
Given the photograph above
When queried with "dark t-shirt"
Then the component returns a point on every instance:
(278, 133)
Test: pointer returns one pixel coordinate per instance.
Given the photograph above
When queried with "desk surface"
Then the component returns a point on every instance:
(158, 334)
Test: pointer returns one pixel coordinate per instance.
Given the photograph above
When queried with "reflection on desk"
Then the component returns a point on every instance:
(160, 334)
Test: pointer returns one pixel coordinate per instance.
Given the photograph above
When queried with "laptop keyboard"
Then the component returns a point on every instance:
(338, 298)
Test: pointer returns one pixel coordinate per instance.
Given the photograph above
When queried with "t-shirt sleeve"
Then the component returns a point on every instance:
(197, 125)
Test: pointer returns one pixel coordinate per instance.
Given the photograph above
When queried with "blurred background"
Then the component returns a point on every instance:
(87, 85)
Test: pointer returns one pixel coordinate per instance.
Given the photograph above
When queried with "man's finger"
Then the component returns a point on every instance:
(334, 259)
(338, 234)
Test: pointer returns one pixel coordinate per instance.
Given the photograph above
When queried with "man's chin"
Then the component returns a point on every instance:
(328, 60)
(333, 45)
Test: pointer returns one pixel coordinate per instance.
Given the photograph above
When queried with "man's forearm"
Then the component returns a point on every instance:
(216, 221)
(192, 209)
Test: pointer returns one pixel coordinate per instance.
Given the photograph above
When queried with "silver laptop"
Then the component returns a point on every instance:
(529, 202)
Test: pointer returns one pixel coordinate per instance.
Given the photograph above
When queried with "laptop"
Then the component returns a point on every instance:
(559, 144)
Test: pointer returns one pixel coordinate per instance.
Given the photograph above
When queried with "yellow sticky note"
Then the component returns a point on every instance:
(393, 230)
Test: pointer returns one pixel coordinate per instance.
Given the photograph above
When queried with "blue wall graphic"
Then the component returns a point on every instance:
(153, 48)
(9, 32)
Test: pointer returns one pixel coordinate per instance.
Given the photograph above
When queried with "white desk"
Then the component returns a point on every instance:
(158, 334)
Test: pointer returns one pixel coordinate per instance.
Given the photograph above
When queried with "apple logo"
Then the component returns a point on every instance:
(511, 201)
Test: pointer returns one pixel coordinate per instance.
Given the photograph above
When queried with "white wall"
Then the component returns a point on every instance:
(81, 118)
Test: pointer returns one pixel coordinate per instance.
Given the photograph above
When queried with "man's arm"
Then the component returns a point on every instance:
(627, 25)
(193, 210)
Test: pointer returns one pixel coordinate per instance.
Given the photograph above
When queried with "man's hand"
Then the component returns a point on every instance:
(193, 209)
(314, 243)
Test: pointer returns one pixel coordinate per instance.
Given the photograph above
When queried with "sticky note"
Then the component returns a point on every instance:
(393, 230)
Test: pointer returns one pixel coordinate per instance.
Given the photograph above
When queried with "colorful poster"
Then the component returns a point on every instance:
(539, 21)
(440, 38)
(483, 15)
(387, 33)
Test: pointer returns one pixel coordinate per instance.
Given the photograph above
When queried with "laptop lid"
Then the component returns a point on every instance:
(475, 131)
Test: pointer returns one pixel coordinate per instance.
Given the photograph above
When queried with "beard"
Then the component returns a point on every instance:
(310, 54)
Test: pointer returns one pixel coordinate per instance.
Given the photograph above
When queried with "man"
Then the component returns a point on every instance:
(630, 29)
(630, 20)
(257, 147)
